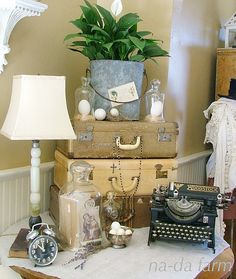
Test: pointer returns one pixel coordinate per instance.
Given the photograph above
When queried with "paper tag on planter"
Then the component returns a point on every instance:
(123, 93)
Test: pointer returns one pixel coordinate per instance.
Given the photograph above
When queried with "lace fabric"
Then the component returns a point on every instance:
(221, 133)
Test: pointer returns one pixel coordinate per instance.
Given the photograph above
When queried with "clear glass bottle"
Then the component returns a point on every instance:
(154, 102)
(84, 101)
(80, 209)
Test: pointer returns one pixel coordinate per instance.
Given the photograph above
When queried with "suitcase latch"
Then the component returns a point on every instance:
(86, 135)
(162, 136)
(160, 173)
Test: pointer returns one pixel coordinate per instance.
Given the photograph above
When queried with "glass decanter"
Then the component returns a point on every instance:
(84, 101)
(154, 102)
(80, 209)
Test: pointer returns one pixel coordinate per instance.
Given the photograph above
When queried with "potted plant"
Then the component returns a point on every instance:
(116, 50)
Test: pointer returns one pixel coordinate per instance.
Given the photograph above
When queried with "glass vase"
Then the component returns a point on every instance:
(80, 209)
(84, 101)
(154, 102)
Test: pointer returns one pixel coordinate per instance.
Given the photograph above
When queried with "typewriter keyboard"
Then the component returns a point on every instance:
(182, 232)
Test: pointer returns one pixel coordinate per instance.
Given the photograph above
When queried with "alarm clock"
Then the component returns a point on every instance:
(43, 247)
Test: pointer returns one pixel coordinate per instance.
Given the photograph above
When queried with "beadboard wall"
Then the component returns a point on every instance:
(15, 186)
(15, 190)
(192, 169)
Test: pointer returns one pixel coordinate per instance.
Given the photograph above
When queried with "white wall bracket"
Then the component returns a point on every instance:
(11, 11)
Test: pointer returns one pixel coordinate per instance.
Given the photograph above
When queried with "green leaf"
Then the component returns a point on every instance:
(137, 57)
(88, 14)
(92, 38)
(95, 12)
(100, 30)
(108, 46)
(90, 52)
(121, 34)
(127, 21)
(143, 33)
(99, 56)
(79, 23)
(108, 19)
(71, 36)
(140, 44)
(125, 41)
(79, 43)
(154, 51)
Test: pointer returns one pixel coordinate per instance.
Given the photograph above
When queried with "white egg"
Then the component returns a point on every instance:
(84, 107)
(112, 231)
(128, 232)
(156, 108)
(114, 112)
(100, 114)
(120, 231)
(115, 226)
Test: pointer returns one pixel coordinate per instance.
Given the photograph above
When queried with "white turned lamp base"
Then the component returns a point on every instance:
(35, 184)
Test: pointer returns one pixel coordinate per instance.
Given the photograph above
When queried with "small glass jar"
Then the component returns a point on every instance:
(80, 209)
(154, 102)
(84, 101)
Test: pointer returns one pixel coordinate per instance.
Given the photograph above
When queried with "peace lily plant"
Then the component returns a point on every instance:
(104, 37)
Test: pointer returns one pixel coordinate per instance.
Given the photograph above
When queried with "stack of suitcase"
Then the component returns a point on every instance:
(123, 154)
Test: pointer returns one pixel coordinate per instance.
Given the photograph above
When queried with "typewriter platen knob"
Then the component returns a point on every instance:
(172, 186)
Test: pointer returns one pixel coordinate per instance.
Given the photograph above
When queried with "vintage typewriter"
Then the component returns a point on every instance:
(185, 212)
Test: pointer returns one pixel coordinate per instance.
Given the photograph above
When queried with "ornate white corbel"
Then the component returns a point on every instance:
(11, 11)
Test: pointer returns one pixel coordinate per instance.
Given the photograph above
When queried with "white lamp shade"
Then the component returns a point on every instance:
(38, 109)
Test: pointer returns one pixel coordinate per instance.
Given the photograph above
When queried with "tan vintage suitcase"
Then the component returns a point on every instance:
(128, 139)
(124, 176)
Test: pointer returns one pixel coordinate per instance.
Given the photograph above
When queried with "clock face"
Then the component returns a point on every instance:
(43, 250)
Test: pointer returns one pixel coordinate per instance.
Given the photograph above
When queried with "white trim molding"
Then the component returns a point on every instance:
(12, 11)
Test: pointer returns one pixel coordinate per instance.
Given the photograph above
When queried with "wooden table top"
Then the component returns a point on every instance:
(219, 268)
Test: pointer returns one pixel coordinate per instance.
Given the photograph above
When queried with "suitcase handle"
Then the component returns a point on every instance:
(118, 188)
(128, 146)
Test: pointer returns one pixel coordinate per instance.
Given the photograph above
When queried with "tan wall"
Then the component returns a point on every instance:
(191, 78)
(37, 47)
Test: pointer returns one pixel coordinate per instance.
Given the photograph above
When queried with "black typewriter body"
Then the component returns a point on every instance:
(185, 212)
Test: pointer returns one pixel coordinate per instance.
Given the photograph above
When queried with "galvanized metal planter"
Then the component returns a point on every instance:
(107, 74)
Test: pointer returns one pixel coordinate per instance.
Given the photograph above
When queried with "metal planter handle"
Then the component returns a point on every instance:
(128, 146)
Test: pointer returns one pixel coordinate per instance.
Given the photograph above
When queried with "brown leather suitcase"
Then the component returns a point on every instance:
(125, 139)
(140, 208)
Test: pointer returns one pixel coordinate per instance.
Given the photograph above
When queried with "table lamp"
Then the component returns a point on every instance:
(37, 112)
